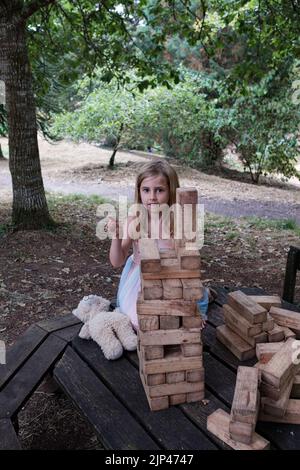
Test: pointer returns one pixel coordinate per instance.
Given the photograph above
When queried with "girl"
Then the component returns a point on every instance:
(156, 184)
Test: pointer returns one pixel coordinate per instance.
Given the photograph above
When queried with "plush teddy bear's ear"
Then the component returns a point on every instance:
(84, 333)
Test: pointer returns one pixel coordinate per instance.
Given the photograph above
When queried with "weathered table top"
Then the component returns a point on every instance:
(110, 394)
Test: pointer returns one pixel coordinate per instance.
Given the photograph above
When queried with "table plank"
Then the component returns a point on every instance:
(172, 429)
(113, 423)
(8, 437)
(20, 351)
(59, 323)
(69, 333)
(29, 376)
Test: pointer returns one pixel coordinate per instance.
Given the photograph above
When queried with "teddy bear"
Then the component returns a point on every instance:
(111, 330)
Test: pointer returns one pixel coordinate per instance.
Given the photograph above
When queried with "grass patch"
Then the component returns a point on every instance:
(231, 236)
(212, 221)
(279, 224)
(55, 199)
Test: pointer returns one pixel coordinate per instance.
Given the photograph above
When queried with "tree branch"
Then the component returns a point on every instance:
(35, 6)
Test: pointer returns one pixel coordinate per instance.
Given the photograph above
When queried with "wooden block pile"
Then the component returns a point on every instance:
(250, 320)
(279, 367)
(238, 429)
(169, 336)
(269, 391)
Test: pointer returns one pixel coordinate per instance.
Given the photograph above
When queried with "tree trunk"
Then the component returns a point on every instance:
(116, 148)
(112, 157)
(30, 210)
(1, 153)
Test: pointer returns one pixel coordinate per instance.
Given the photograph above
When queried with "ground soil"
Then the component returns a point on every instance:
(45, 274)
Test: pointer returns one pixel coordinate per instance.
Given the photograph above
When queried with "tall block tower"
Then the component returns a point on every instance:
(169, 336)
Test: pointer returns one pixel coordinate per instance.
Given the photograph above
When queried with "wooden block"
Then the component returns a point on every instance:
(295, 393)
(177, 399)
(191, 349)
(167, 254)
(266, 301)
(196, 375)
(265, 351)
(247, 329)
(192, 289)
(268, 390)
(291, 416)
(154, 352)
(189, 259)
(172, 289)
(241, 432)
(288, 333)
(175, 377)
(167, 322)
(297, 332)
(186, 196)
(218, 425)
(192, 322)
(175, 389)
(152, 290)
(148, 322)
(155, 403)
(155, 379)
(234, 343)
(249, 309)
(245, 402)
(285, 317)
(282, 364)
(167, 307)
(275, 335)
(164, 337)
(278, 407)
(173, 262)
(158, 403)
(269, 324)
(252, 340)
(150, 258)
(172, 363)
(195, 396)
(168, 272)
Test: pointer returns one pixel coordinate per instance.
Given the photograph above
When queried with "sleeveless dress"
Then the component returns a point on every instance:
(130, 282)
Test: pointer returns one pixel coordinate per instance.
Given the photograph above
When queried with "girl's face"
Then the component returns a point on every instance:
(154, 190)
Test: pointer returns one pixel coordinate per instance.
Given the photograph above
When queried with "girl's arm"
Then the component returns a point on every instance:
(119, 247)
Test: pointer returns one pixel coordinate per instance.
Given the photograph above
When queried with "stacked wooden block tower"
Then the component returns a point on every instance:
(169, 337)
(250, 320)
(269, 391)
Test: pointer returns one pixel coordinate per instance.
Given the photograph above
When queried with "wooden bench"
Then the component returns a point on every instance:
(292, 265)
(110, 393)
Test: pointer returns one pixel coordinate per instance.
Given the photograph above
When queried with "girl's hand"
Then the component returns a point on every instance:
(113, 227)
(203, 324)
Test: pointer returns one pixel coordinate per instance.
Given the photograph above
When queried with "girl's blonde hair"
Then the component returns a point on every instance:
(158, 168)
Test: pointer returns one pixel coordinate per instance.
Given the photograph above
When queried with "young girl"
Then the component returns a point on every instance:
(156, 184)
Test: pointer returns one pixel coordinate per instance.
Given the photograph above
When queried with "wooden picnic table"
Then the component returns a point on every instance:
(110, 394)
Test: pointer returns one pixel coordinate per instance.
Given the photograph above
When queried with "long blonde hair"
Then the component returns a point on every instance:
(158, 168)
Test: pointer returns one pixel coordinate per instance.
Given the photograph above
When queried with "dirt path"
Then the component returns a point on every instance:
(81, 168)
